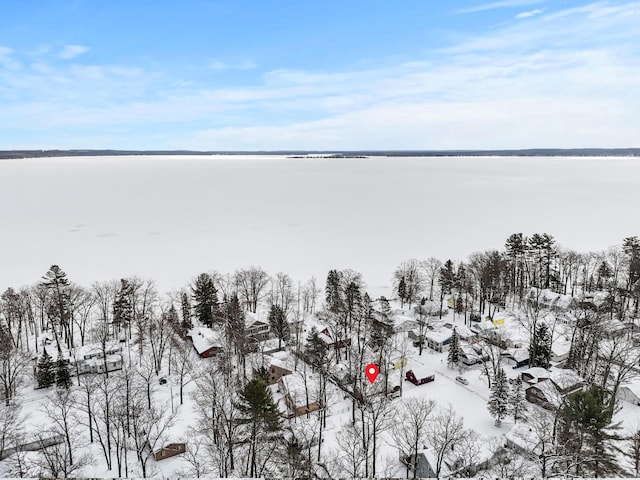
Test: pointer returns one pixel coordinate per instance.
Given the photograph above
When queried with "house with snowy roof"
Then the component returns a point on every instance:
(255, 327)
(522, 438)
(517, 357)
(298, 395)
(170, 450)
(630, 392)
(549, 392)
(206, 341)
(278, 369)
(545, 394)
(545, 298)
(438, 339)
(533, 375)
(333, 341)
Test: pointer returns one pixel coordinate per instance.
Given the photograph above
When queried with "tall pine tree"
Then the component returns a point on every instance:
(186, 312)
(259, 414)
(63, 376)
(540, 347)
(498, 406)
(517, 404)
(279, 324)
(453, 357)
(205, 297)
(46, 373)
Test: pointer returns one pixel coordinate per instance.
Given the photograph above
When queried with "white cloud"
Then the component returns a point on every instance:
(500, 4)
(72, 51)
(567, 79)
(530, 13)
(216, 64)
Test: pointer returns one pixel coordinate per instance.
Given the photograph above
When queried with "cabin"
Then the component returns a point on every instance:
(468, 355)
(566, 381)
(534, 375)
(328, 339)
(438, 339)
(295, 394)
(206, 342)
(256, 328)
(545, 298)
(550, 392)
(277, 369)
(545, 394)
(418, 377)
(517, 357)
(523, 439)
(170, 450)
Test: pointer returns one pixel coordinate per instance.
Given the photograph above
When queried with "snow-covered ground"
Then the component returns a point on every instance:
(170, 218)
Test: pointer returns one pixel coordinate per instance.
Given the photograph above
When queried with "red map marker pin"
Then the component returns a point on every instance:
(371, 371)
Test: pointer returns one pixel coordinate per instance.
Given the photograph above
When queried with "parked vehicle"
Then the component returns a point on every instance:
(162, 381)
(462, 380)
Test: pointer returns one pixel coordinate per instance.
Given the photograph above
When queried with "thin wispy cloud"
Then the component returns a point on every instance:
(500, 4)
(563, 78)
(529, 14)
(72, 51)
(220, 65)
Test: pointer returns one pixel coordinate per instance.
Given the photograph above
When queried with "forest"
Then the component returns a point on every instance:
(257, 374)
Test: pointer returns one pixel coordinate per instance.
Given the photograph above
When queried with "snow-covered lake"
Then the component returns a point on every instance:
(170, 218)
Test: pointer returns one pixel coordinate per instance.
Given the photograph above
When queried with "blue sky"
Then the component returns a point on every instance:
(331, 75)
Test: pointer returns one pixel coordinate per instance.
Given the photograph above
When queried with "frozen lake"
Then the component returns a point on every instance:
(170, 218)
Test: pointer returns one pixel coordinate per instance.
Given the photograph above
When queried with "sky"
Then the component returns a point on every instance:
(331, 75)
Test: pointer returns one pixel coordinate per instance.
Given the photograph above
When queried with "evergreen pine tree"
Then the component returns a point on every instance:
(517, 404)
(586, 432)
(259, 414)
(453, 357)
(498, 406)
(46, 373)
(540, 348)
(186, 313)
(205, 297)
(402, 291)
(123, 306)
(63, 376)
(316, 350)
(279, 324)
(333, 292)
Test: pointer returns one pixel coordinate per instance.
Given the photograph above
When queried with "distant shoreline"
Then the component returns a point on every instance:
(533, 152)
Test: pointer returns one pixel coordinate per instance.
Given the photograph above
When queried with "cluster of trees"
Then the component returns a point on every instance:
(239, 430)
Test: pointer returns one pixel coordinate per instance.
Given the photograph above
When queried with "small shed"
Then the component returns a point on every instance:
(170, 450)
(419, 377)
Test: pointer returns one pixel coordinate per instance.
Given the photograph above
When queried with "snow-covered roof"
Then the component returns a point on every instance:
(524, 437)
(549, 391)
(204, 338)
(633, 386)
(295, 387)
(565, 378)
(550, 298)
(464, 331)
(439, 336)
(251, 319)
(519, 354)
(537, 373)
(420, 371)
(275, 362)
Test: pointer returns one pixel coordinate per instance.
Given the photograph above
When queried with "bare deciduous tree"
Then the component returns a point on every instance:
(251, 284)
(411, 429)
